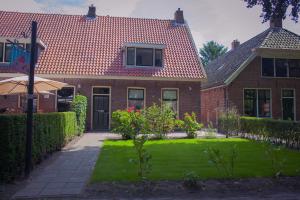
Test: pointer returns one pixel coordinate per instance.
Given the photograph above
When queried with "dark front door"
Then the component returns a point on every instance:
(100, 112)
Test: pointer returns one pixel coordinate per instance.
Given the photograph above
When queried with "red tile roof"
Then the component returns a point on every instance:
(77, 46)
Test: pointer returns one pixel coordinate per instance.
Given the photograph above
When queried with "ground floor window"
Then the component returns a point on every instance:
(23, 103)
(257, 102)
(288, 104)
(136, 98)
(170, 98)
(64, 98)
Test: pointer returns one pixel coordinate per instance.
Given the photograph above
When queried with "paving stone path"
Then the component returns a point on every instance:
(67, 172)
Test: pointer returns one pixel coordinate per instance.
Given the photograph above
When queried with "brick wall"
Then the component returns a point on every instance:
(189, 94)
(250, 77)
(212, 101)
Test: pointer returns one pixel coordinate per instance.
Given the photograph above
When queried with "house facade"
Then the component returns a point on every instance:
(260, 78)
(116, 62)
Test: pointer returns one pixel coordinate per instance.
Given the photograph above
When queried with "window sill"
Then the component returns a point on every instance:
(143, 67)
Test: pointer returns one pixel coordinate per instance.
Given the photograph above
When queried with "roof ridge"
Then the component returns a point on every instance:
(78, 15)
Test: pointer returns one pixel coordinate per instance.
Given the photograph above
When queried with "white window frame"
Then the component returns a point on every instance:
(37, 102)
(162, 99)
(143, 88)
(159, 47)
(257, 111)
(67, 86)
(294, 100)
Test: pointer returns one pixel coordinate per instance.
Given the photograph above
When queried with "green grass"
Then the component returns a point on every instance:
(172, 158)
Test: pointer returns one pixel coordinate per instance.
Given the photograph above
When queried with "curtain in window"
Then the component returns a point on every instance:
(136, 98)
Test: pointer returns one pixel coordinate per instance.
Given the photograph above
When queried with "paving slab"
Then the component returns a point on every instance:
(68, 172)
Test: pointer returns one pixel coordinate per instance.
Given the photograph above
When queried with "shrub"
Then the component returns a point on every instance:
(79, 106)
(210, 132)
(129, 123)
(161, 120)
(190, 179)
(271, 130)
(190, 125)
(121, 124)
(229, 121)
(225, 165)
(50, 132)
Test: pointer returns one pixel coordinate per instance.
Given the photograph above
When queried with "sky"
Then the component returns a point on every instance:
(219, 20)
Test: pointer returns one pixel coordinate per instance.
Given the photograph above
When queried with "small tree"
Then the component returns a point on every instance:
(190, 125)
(79, 106)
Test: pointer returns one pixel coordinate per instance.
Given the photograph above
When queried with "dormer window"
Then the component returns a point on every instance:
(143, 55)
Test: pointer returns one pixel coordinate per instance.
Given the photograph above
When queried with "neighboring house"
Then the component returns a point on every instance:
(260, 77)
(117, 62)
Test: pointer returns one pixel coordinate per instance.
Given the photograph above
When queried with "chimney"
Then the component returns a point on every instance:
(276, 22)
(235, 44)
(179, 19)
(92, 12)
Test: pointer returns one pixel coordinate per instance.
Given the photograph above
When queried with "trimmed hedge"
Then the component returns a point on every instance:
(276, 131)
(79, 106)
(50, 133)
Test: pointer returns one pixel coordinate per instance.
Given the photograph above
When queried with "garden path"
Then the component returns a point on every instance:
(66, 172)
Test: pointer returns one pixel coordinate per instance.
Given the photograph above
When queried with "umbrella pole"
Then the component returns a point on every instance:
(29, 125)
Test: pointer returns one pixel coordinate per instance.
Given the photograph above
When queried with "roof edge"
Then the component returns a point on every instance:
(195, 49)
(235, 74)
(66, 76)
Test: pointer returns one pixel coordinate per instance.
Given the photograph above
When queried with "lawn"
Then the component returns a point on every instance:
(172, 158)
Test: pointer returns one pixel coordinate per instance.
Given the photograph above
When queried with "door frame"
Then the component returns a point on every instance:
(294, 101)
(92, 109)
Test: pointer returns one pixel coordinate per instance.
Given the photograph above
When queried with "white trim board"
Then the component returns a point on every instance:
(99, 77)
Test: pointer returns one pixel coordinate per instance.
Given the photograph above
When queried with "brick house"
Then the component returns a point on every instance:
(117, 62)
(259, 77)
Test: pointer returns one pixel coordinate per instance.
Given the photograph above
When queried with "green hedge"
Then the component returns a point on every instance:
(276, 131)
(50, 132)
(79, 106)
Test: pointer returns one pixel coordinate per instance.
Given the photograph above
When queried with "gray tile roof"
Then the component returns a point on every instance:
(223, 67)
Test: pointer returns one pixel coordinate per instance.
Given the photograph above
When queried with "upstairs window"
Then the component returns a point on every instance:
(281, 68)
(144, 57)
(1, 51)
(7, 52)
(294, 68)
(267, 67)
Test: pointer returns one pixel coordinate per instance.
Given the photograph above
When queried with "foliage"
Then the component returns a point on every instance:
(121, 124)
(79, 106)
(229, 121)
(210, 132)
(190, 125)
(276, 9)
(50, 132)
(277, 162)
(190, 179)
(210, 51)
(225, 165)
(144, 157)
(271, 130)
(161, 120)
(172, 158)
